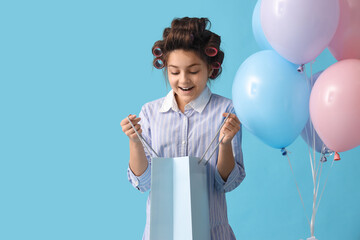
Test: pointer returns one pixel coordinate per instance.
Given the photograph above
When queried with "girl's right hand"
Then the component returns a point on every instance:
(128, 130)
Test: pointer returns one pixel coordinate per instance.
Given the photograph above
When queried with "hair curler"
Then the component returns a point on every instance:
(211, 51)
(215, 65)
(158, 63)
(157, 52)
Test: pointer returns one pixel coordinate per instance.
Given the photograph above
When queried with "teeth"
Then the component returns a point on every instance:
(185, 88)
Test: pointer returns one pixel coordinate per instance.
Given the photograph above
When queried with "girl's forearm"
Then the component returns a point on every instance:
(138, 161)
(226, 161)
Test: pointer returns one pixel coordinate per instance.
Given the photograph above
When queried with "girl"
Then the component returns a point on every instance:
(184, 122)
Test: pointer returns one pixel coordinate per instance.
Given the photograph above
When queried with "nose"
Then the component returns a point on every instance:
(184, 77)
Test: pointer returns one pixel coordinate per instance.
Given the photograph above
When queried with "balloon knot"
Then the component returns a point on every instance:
(284, 152)
(336, 157)
(301, 68)
(323, 159)
(326, 151)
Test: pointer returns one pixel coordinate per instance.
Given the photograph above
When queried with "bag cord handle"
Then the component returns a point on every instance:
(142, 140)
(217, 145)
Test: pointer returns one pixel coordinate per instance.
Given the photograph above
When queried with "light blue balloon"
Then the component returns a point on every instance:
(271, 98)
(259, 35)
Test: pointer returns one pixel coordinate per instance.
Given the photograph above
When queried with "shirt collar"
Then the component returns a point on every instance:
(198, 104)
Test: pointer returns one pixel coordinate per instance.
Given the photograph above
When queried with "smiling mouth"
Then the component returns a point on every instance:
(186, 89)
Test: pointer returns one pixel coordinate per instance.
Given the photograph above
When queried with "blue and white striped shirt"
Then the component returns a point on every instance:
(172, 133)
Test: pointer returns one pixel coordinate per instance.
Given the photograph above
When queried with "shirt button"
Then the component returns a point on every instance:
(136, 182)
(183, 142)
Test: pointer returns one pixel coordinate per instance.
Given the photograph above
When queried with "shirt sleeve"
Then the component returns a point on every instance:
(143, 182)
(238, 174)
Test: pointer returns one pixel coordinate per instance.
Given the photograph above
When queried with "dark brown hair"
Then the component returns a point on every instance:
(190, 34)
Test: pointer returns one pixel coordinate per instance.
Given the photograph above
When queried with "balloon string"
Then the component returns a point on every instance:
(312, 127)
(318, 182)
(314, 175)
(310, 84)
(316, 190)
(319, 167)
(315, 167)
(306, 78)
(312, 159)
(322, 191)
(297, 186)
(308, 140)
(312, 224)
(311, 164)
(308, 136)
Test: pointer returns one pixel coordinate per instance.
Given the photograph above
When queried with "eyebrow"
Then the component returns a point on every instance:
(187, 66)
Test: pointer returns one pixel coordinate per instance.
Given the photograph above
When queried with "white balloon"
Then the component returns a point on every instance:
(299, 30)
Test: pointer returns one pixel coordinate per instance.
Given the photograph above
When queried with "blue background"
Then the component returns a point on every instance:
(70, 71)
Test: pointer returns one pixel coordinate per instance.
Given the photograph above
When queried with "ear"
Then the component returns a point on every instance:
(211, 70)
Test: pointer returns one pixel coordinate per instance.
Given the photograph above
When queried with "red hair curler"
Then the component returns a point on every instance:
(215, 65)
(211, 51)
(157, 52)
(158, 63)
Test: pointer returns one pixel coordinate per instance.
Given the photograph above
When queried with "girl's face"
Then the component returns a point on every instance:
(187, 74)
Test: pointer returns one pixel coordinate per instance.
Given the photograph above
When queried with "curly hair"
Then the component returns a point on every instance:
(190, 34)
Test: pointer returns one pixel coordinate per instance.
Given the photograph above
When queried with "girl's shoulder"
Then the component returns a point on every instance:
(218, 99)
(221, 98)
(153, 106)
(218, 104)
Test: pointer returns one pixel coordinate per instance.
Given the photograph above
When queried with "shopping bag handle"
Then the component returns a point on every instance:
(217, 134)
(216, 147)
(142, 140)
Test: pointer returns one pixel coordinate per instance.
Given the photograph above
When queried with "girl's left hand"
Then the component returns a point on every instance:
(230, 128)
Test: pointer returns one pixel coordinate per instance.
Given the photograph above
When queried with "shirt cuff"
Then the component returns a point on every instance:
(142, 182)
(230, 183)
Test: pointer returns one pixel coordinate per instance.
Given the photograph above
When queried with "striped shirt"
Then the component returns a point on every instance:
(172, 133)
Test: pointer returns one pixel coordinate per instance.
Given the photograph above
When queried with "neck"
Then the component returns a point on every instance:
(181, 104)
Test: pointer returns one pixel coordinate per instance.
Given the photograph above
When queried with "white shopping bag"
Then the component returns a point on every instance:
(179, 208)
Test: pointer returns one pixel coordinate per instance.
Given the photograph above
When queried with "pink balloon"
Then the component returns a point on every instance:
(299, 30)
(346, 41)
(335, 105)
